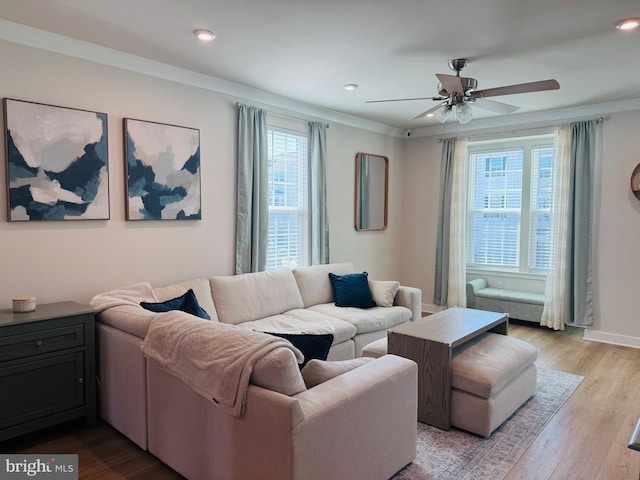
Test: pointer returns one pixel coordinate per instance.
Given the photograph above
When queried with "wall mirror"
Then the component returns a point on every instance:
(372, 185)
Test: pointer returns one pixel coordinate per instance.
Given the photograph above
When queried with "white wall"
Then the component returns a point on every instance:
(421, 187)
(377, 252)
(617, 226)
(73, 260)
(617, 240)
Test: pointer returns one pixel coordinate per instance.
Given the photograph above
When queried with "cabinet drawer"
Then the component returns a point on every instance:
(41, 341)
(36, 389)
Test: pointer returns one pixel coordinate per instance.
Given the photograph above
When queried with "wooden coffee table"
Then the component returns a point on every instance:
(430, 343)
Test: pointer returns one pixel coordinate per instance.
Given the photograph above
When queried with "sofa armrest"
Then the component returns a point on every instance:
(411, 298)
(350, 416)
(474, 285)
(388, 371)
(131, 319)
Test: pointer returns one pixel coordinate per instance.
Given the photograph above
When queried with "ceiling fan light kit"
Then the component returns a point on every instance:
(464, 113)
(443, 113)
(460, 93)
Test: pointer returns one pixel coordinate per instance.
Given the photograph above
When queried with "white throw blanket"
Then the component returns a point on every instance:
(129, 295)
(214, 359)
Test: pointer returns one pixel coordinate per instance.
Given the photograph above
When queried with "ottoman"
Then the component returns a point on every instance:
(375, 349)
(492, 376)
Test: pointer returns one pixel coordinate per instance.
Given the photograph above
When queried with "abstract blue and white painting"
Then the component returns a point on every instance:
(163, 171)
(57, 162)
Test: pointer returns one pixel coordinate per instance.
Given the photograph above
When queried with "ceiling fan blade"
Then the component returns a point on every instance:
(405, 99)
(426, 112)
(496, 107)
(519, 88)
(451, 83)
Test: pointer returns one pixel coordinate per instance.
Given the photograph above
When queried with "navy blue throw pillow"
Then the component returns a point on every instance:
(352, 290)
(311, 346)
(187, 303)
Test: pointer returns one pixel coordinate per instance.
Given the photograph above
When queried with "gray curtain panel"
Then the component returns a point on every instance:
(253, 209)
(580, 281)
(441, 286)
(319, 220)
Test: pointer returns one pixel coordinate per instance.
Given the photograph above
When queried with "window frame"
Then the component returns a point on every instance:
(525, 241)
(299, 131)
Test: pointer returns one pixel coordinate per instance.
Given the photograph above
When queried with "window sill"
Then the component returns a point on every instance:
(507, 273)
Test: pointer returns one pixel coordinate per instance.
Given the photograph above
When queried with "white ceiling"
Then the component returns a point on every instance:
(307, 50)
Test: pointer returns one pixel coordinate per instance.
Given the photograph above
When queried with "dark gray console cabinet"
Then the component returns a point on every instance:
(47, 367)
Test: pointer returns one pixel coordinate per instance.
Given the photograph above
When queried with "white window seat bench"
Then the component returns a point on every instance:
(519, 305)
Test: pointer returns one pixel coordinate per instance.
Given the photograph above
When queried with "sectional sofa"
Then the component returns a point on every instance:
(361, 424)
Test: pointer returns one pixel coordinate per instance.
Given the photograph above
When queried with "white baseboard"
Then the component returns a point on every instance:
(614, 338)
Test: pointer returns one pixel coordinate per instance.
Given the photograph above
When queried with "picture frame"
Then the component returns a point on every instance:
(162, 169)
(56, 162)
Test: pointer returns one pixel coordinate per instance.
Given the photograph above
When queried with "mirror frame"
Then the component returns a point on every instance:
(634, 183)
(358, 188)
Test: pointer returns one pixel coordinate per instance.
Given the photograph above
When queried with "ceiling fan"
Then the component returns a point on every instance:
(460, 93)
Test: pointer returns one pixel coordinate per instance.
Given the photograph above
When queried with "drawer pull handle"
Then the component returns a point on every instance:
(39, 343)
(81, 380)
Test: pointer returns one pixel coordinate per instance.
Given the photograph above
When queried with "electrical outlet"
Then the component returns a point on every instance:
(499, 284)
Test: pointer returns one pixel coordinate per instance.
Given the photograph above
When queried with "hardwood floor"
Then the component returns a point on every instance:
(103, 453)
(586, 439)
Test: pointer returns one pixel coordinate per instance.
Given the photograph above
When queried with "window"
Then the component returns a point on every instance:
(542, 159)
(287, 244)
(509, 204)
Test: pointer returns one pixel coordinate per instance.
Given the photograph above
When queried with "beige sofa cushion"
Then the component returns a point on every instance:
(251, 296)
(314, 284)
(279, 371)
(484, 365)
(304, 321)
(316, 372)
(384, 292)
(366, 319)
(200, 287)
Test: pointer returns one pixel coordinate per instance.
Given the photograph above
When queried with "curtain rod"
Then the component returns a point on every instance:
(282, 115)
(598, 120)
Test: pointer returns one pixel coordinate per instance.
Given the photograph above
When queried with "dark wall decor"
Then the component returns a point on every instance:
(57, 162)
(162, 171)
(635, 181)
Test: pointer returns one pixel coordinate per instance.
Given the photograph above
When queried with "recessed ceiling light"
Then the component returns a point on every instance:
(204, 35)
(350, 87)
(628, 24)
(429, 114)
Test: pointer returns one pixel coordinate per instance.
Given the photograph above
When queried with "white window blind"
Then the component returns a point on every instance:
(287, 244)
(496, 199)
(541, 182)
(509, 205)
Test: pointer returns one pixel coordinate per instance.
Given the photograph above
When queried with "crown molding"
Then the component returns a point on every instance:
(53, 42)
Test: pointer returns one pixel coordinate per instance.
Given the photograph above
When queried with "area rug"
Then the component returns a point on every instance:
(458, 455)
